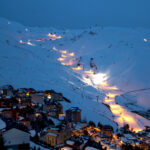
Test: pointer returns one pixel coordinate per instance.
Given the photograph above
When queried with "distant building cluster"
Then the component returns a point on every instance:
(29, 116)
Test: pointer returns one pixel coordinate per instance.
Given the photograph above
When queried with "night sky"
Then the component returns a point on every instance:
(77, 13)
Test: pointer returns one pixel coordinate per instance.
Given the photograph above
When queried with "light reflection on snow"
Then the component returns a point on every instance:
(145, 40)
(54, 36)
(77, 68)
(28, 42)
(26, 29)
(21, 42)
(99, 78)
(100, 81)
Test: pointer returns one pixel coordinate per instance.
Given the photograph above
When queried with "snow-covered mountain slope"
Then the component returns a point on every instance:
(28, 58)
(36, 66)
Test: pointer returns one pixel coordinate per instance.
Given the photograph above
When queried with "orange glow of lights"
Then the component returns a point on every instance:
(104, 84)
(137, 129)
(108, 100)
(33, 104)
(116, 112)
(19, 100)
(110, 88)
(63, 64)
(37, 115)
(21, 41)
(94, 134)
(54, 36)
(63, 51)
(49, 96)
(69, 63)
(62, 115)
(114, 106)
(77, 68)
(64, 56)
(61, 59)
(51, 35)
(28, 93)
(89, 72)
(126, 119)
(100, 80)
(97, 129)
(111, 95)
(71, 54)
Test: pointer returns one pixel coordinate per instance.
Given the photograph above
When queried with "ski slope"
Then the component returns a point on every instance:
(28, 59)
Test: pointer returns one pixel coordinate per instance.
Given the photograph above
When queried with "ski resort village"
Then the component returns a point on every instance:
(74, 89)
(31, 119)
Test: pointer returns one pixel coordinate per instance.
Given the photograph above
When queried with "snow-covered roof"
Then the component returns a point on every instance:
(80, 126)
(148, 135)
(41, 94)
(69, 142)
(15, 137)
(55, 121)
(21, 118)
(8, 97)
(129, 136)
(75, 109)
(54, 129)
(32, 145)
(52, 134)
(32, 132)
(90, 148)
(2, 124)
(141, 132)
(2, 109)
(125, 140)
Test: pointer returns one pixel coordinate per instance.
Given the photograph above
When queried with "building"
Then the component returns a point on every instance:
(7, 90)
(107, 130)
(37, 97)
(51, 138)
(25, 122)
(53, 108)
(16, 139)
(24, 100)
(77, 144)
(12, 113)
(53, 95)
(73, 114)
(57, 136)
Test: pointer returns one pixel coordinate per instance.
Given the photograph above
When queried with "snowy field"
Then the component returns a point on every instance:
(30, 57)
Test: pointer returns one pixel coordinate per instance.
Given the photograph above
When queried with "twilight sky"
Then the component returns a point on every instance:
(77, 13)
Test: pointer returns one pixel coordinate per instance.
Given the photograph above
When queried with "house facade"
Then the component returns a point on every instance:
(73, 114)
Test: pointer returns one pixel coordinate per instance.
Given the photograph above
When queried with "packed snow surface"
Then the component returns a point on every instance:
(2, 124)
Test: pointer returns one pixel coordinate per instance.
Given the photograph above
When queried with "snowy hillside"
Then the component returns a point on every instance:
(38, 58)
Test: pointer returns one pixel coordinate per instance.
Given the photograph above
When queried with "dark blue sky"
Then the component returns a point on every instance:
(77, 13)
